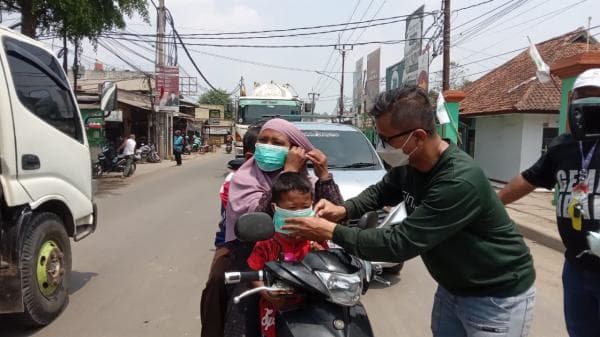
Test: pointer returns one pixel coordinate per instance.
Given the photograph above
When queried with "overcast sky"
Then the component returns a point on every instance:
(540, 19)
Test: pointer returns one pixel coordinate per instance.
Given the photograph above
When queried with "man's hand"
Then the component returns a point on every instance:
(327, 210)
(295, 160)
(319, 160)
(311, 228)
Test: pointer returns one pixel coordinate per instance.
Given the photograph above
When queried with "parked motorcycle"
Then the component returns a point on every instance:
(148, 153)
(329, 282)
(228, 148)
(109, 161)
(197, 143)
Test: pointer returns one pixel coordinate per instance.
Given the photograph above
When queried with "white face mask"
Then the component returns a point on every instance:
(395, 157)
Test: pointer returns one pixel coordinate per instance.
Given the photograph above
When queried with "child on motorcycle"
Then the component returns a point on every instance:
(292, 197)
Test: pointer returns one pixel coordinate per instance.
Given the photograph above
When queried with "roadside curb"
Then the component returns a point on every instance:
(550, 241)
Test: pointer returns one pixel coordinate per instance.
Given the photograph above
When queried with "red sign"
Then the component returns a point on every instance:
(166, 82)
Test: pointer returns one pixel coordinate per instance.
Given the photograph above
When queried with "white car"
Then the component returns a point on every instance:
(355, 166)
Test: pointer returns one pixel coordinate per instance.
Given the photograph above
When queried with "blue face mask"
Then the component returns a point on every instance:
(282, 214)
(269, 157)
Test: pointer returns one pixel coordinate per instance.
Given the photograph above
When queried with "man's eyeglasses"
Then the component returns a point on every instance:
(386, 140)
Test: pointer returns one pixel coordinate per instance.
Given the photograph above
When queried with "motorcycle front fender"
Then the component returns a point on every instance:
(318, 319)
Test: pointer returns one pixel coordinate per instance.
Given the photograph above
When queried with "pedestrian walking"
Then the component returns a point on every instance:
(178, 144)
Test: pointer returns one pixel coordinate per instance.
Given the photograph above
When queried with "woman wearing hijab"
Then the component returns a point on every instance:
(280, 147)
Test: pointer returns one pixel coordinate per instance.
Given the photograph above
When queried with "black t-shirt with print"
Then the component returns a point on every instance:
(561, 165)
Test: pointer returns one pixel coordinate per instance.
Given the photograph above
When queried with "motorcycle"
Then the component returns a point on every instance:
(109, 161)
(196, 144)
(148, 153)
(329, 282)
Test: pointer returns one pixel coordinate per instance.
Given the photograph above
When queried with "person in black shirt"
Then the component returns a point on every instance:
(572, 165)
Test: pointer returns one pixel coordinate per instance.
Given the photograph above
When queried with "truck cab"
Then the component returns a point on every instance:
(269, 100)
(46, 194)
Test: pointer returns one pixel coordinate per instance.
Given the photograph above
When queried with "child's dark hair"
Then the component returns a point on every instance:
(250, 138)
(290, 181)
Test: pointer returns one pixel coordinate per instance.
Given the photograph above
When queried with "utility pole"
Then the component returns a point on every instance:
(446, 42)
(160, 33)
(312, 96)
(343, 48)
(162, 131)
(65, 53)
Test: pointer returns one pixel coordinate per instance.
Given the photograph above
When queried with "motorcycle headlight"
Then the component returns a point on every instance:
(344, 289)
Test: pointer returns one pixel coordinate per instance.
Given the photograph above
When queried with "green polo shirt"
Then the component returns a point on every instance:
(455, 222)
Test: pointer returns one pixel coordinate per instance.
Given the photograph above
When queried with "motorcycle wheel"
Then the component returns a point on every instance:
(129, 172)
(97, 172)
(154, 157)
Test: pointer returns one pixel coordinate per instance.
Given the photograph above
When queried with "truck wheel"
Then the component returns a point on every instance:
(395, 270)
(45, 269)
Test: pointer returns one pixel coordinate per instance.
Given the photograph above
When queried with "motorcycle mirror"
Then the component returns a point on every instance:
(252, 227)
(368, 220)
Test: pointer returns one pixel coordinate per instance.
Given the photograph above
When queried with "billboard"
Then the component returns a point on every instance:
(357, 80)
(393, 76)
(372, 82)
(413, 46)
(166, 84)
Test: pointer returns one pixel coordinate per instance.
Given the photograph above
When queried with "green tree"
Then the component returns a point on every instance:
(218, 97)
(74, 19)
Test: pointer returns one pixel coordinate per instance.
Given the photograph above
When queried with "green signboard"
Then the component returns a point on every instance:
(393, 76)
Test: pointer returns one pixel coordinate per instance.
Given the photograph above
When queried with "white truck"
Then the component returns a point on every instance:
(45, 180)
(269, 100)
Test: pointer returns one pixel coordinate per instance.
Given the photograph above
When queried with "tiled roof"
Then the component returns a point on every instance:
(512, 87)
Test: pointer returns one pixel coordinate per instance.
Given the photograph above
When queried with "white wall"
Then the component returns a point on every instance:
(506, 145)
(498, 141)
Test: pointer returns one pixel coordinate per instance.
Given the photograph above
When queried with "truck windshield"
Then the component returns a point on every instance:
(252, 114)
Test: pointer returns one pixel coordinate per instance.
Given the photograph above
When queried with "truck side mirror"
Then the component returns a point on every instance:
(308, 107)
(108, 96)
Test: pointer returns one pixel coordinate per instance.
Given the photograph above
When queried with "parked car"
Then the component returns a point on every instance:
(355, 166)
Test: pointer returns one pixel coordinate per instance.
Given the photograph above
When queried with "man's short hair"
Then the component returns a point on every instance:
(250, 138)
(289, 181)
(409, 106)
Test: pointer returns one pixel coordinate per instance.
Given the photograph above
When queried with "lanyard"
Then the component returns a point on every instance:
(586, 160)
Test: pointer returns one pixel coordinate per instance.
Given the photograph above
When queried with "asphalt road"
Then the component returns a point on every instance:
(142, 272)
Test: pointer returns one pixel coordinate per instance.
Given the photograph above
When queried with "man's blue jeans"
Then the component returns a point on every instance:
(457, 316)
(581, 301)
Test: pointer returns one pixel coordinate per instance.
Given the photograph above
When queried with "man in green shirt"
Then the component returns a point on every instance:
(455, 222)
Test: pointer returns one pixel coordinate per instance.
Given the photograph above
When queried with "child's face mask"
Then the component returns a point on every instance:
(282, 214)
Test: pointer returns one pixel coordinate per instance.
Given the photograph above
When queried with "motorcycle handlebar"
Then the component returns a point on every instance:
(243, 276)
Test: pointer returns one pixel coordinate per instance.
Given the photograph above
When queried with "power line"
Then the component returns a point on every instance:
(187, 52)
(304, 28)
(473, 6)
(333, 50)
(374, 15)
(328, 79)
(325, 45)
(193, 37)
(477, 28)
(561, 10)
